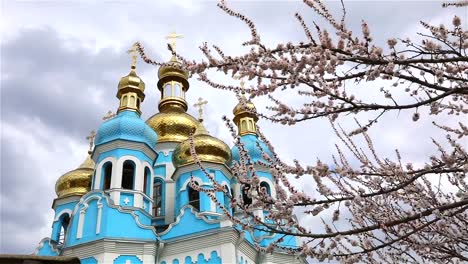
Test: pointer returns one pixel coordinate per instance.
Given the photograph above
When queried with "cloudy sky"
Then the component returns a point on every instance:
(61, 62)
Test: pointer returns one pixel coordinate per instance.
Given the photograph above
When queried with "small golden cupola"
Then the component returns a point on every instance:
(77, 181)
(208, 148)
(245, 116)
(131, 89)
(172, 123)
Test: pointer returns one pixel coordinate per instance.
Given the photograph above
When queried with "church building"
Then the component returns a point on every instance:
(133, 199)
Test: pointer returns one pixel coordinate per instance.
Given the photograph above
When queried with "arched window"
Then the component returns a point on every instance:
(194, 196)
(245, 197)
(177, 90)
(132, 100)
(128, 174)
(157, 197)
(64, 221)
(265, 186)
(167, 89)
(147, 180)
(243, 125)
(124, 100)
(138, 102)
(251, 126)
(107, 170)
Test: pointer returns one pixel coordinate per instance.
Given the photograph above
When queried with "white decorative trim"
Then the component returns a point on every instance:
(99, 216)
(207, 165)
(197, 179)
(81, 219)
(41, 245)
(165, 147)
(126, 144)
(65, 211)
(270, 183)
(89, 196)
(98, 170)
(194, 212)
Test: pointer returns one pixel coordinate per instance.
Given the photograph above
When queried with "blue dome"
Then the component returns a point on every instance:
(127, 125)
(250, 143)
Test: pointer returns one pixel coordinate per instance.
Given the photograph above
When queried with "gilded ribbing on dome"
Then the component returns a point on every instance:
(77, 181)
(208, 149)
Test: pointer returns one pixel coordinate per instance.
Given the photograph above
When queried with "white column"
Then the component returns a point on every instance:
(79, 231)
(99, 215)
(139, 178)
(116, 181)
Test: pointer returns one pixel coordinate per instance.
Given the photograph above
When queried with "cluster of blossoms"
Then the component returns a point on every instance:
(392, 211)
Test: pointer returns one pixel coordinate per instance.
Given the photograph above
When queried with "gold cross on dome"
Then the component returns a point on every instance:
(133, 51)
(91, 137)
(199, 105)
(172, 37)
(109, 115)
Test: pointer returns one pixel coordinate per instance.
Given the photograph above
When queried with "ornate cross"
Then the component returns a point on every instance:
(109, 115)
(172, 37)
(91, 137)
(199, 105)
(133, 51)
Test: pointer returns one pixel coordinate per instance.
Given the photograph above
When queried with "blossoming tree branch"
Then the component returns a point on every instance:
(394, 211)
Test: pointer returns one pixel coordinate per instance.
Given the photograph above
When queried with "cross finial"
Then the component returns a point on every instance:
(242, 84)
(133, 51)
(172, 37)
(199, 105)
(91, 137)
(109, 115)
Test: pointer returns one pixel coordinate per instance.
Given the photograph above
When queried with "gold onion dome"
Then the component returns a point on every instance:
(77, 181)
(208, 149)
(172, 123)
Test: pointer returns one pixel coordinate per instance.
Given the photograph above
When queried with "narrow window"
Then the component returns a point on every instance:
(157, 198)
(107, 175)
(167, 90)
(250, 125)
(194, 196)
(124, 100)
(128, 175)
(245, 196)
(177, 90)
(132, 101)
(265, 187)
(146, 180)
(64, 221)
(138, 102)
(243, 125)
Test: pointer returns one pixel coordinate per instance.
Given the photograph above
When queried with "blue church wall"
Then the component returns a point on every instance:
(160, 170)
(89, 260)
(186, 224)
(126, 198)
(124, 259)
(137, 223)
(162, 158)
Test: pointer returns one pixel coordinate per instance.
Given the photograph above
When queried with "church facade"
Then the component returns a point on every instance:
(133, 199)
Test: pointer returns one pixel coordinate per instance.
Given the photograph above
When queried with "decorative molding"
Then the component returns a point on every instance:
(207, 165)
(194, 212)
(41, 245)
(98, 171)
(124, 144)
(65, 211)
(166, 147)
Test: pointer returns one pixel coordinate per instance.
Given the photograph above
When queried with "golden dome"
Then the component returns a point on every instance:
(172, 126)
(244, 108)
(208, 148)
(76, 182)
(173, 71)
(131, 82)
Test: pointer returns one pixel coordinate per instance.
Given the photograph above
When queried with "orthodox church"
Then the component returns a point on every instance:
(131, 201)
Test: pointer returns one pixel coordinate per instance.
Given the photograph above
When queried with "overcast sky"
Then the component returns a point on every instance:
(61, 62)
